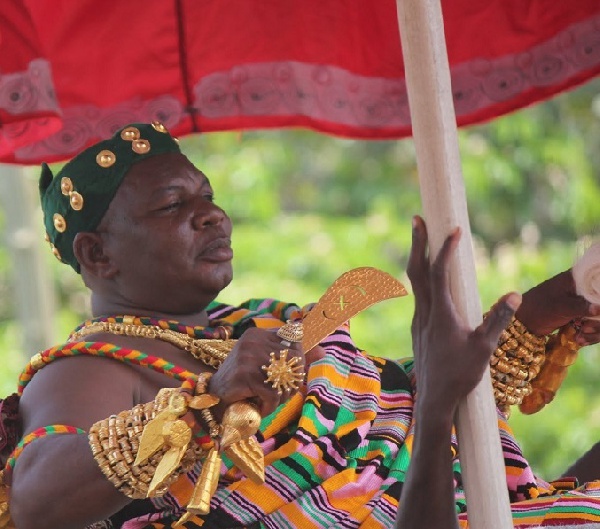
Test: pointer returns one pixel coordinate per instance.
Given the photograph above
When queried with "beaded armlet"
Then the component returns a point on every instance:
(144, 450)
(54, 429)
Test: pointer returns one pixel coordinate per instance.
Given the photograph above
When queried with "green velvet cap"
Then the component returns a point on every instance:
(76, 199)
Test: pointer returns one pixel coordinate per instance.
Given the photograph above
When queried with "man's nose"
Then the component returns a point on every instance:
(208, 214)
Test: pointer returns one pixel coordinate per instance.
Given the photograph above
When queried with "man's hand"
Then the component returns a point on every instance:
(554, 303)
(241, 376)
(589, 333)
(450, 358)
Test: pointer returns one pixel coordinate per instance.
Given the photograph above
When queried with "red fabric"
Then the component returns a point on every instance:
(28, 108)
(334, 66)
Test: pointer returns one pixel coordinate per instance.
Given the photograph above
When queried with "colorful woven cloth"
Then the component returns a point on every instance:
(336, 455)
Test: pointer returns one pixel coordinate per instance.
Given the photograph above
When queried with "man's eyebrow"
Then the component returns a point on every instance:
(161, 190)
(171, 187)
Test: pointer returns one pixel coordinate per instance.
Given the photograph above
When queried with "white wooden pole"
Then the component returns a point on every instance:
(444, 206)
(24, 236)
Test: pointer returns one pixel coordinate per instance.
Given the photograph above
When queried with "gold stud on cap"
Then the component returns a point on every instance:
(47, 237)
(59, 222)
(66, 186)
(159, 127)
(56, 253)
(106, 158)
(130, 134)
(76, 200)
(140, 146)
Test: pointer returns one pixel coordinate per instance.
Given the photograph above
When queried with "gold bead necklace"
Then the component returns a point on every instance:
(210, 351)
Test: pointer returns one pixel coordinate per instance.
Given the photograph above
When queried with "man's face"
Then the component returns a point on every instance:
(171, 243)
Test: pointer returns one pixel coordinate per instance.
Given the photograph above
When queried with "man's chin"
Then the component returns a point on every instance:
(219, 282)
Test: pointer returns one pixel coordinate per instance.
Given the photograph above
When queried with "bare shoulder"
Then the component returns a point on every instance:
(78, 391)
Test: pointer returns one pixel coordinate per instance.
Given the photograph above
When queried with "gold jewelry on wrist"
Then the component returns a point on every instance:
(143, 451)
(515, 363)
(115, 443)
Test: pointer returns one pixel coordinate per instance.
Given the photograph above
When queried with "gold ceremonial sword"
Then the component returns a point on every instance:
(351, 293)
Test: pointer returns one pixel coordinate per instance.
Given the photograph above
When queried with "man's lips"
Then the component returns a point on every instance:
(218, 250)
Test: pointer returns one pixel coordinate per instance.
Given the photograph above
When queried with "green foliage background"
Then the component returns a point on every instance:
(307, 207)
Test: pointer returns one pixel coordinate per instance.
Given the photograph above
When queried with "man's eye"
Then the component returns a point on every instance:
(171, 207)
(209, 196)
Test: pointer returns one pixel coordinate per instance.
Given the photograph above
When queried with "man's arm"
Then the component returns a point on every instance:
(549, 306)
(587, 468)
(427, 499)
(450, 360)
(56, 481)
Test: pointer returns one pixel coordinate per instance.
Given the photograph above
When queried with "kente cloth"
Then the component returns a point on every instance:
(336, 453)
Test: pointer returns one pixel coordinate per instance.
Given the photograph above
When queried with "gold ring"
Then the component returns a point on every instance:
(291, 332)
(284, 374)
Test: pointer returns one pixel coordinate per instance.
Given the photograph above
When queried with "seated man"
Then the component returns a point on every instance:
(137, 220)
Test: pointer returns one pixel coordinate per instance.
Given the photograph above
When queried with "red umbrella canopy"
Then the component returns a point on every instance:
(28, 107)
(209, 65)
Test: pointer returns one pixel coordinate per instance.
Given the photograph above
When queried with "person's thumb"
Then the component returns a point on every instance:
(499, 316)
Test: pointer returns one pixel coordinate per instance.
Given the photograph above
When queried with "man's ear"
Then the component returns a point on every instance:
(90, 252)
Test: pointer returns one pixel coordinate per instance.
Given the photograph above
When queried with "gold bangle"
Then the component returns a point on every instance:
(515, 363)
(115, 442)
(131, 448)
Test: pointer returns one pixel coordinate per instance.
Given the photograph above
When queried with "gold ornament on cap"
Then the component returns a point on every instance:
(140, 146)
(76, 200)
(55, 252)
(106, 158)
(157, 125)
(130, 134)
(60, 224)
(66, 186)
